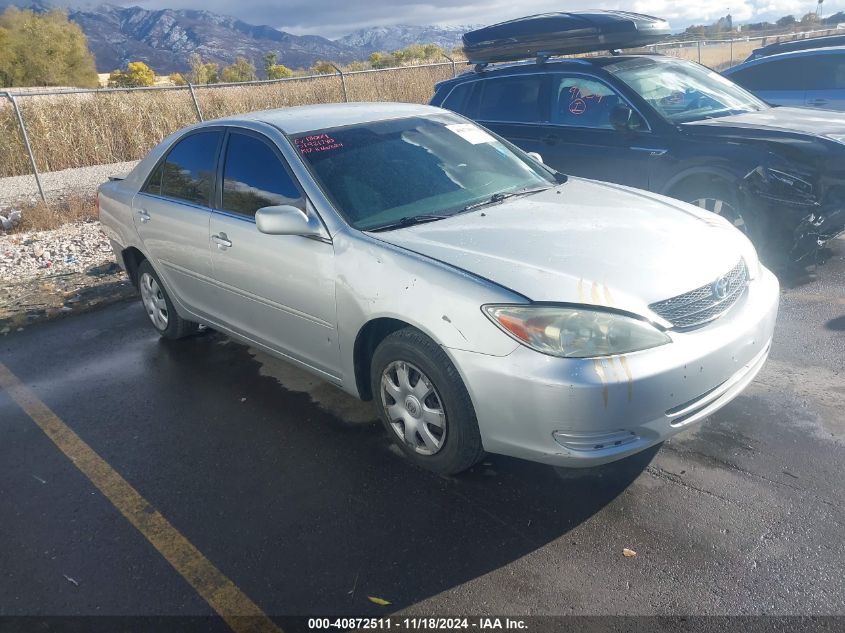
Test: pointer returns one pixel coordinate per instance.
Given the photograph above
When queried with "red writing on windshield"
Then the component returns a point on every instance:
(316, 143)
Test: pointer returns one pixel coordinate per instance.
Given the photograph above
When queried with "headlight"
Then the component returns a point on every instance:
(574, 332)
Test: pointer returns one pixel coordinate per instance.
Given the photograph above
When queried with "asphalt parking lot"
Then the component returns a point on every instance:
(282, 484)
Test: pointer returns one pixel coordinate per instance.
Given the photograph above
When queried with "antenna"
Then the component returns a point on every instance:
(819, 10)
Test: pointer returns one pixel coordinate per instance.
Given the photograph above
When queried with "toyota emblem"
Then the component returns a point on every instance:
(720, 288)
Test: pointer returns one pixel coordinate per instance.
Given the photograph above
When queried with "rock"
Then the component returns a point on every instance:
(38, 250)
(6, 223)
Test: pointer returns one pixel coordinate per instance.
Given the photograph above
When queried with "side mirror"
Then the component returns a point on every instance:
(622, 118)
(285, 219)
(536, 157)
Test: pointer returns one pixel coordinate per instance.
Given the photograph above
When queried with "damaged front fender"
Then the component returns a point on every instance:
(799, 215)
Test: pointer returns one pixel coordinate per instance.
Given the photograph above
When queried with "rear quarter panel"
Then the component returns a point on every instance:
(116, 215)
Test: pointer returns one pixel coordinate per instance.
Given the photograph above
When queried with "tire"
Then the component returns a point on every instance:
(719, 198)
(410, 407)
(159, 307)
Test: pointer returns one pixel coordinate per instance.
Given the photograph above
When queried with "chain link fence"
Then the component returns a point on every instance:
(54, 129)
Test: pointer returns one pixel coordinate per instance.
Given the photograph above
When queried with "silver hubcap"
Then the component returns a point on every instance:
(154, 302)
(413, 407)
(725, 209)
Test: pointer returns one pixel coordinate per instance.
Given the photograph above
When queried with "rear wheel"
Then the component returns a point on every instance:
(424, 404)
(159, 307)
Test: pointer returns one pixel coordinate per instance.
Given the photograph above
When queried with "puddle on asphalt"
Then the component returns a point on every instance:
(323, 394)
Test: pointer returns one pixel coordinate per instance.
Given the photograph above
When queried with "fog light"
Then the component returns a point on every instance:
(595, 441)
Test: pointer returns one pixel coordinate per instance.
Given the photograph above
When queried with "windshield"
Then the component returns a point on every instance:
(683, 91)
(383, 172)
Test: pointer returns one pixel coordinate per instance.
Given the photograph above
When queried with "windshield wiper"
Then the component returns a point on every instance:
(410, 220)
(498, 197)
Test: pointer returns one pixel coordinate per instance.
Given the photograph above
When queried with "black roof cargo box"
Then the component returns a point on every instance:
(550, 34)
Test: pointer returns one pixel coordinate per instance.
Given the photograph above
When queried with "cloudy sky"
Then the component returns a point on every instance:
(333, 18)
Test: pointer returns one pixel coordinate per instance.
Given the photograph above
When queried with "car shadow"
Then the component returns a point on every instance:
(312, 515)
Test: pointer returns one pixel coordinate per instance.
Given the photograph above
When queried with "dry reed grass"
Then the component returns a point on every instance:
(78, 130)
(715, 55)
(43, 217)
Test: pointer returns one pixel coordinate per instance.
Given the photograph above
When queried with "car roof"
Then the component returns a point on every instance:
(307, 118)
(829, 50)
(799, 45)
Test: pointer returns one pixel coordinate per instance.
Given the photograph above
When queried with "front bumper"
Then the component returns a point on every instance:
(587, 412)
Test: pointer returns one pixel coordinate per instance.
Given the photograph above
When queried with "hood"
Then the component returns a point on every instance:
(585, 242)
(784, 120)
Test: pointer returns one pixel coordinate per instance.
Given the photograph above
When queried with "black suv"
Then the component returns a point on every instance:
(676, 128)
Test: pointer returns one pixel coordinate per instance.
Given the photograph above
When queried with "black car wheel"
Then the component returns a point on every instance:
(424, 404)
(720, 198)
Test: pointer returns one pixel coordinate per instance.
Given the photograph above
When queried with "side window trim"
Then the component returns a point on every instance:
(217, 201)
(163, 158)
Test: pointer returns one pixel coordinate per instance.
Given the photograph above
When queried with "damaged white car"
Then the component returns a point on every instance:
(482, 300)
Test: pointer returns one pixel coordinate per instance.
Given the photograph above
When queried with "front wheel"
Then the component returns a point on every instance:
(722, 199)
(424, 404)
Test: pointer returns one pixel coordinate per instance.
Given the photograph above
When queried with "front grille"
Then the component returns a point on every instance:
(704, 304)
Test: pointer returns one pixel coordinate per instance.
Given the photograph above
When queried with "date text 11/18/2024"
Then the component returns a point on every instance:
(482, 624)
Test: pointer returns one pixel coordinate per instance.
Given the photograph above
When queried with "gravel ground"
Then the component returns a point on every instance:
(70, 248)
(46, 274)
(81, 180)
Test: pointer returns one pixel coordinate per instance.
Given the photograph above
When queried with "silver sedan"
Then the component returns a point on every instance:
(483, 301)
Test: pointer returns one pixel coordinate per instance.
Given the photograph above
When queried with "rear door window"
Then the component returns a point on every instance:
(511, 99)
(828, 73)
(188, 171)
(254, 177)
(778, 74)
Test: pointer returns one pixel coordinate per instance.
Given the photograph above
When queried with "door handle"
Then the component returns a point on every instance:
(652, 151)
(143, 216)
(818, 102)
(222, 241)
(550, 139)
